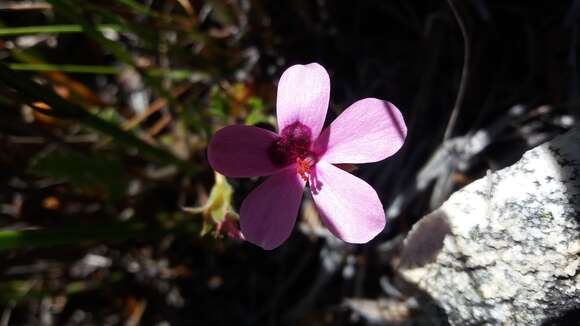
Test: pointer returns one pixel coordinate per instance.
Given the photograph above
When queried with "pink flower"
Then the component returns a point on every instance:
(369, 130)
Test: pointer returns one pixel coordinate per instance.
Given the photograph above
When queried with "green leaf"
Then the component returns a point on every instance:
(111, 115)
(34, 92)
(11, 31)
(20, 239)
(74, 12)
(91, 171)
(137, 7)
(79, 69)
(14, 291)
(218, 105)
(173, 74)
(92, 233)
(257, 114)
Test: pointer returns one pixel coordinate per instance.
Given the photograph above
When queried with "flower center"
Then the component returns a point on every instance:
(293, 146)
(304, 165)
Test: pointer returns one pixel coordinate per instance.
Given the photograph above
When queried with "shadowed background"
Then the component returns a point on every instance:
(107, 108)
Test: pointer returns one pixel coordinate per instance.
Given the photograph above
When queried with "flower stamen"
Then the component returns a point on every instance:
(304, 165)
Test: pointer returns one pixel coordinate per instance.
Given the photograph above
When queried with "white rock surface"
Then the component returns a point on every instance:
(505, 249)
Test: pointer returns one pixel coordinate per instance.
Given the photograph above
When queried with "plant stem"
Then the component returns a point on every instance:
(464, 72)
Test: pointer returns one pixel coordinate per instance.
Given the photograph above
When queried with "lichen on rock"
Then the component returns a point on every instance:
(511, 252)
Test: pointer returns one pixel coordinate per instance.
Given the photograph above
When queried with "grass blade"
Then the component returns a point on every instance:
(18, 239)
(174, 74)
(36, 92)
(27, 30)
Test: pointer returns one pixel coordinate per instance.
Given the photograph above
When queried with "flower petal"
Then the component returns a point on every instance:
(349, 207)
(268, 214)
(303, 93)
(369, 130)
(241, 151)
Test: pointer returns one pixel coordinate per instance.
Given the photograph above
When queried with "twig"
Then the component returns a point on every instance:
(156, 106)
(15, 6)
(464, 72)
(160, 124)
(137, 313)
(6, 314)
(187, 6)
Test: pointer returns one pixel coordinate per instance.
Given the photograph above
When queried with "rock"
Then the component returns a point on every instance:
(506, 248)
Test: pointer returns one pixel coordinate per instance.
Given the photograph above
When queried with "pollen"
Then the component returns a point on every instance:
(304, 165)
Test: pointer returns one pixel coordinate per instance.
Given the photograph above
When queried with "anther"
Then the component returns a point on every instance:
(304, 166)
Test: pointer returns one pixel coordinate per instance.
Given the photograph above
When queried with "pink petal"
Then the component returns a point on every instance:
(303, 93)
(268, 214)
(241, 151)
(369, 130)
(347, 205)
